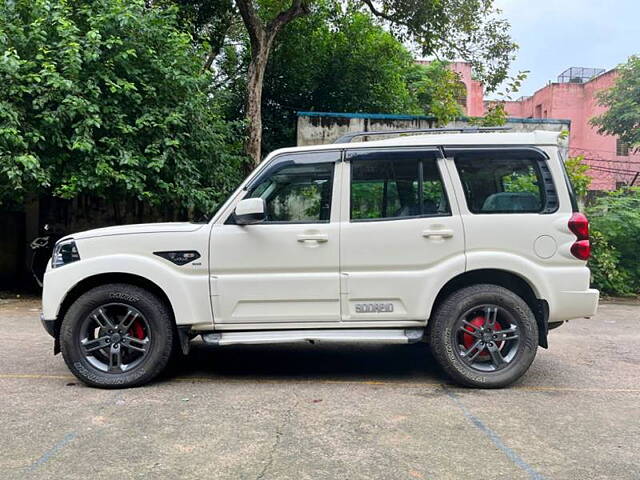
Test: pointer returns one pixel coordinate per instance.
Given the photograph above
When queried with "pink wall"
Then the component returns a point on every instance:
(475, 90)
(578, 102)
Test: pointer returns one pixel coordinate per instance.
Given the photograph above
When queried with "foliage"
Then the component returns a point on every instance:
(108, 98)
(623, 102)
(335, 60)
(607, 274)
(577, 173)
(615, 226)
(496, 115)
(522, 181)
(471, 30)
(437, 91)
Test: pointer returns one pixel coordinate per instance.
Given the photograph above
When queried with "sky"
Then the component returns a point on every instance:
(554, 35)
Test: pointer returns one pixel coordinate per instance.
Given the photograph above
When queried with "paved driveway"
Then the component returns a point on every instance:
(326, 412)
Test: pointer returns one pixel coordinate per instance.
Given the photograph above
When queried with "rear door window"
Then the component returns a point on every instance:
(395, 185)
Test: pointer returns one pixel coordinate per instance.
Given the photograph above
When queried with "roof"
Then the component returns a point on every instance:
(535, 138)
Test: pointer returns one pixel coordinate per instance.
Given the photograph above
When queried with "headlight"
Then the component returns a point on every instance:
(63, 253)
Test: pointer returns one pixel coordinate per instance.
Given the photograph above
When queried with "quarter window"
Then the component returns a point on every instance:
(297, 193)
(501, 183)
(385, 187)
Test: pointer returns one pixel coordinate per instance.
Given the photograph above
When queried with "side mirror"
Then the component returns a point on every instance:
(250, 211)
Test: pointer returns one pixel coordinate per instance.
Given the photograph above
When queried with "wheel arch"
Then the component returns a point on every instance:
(506, 279)
(92, 281)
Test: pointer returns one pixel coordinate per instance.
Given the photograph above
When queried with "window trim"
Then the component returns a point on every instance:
(549, 194)
(277, 165)
(293, 158)
(383, 154)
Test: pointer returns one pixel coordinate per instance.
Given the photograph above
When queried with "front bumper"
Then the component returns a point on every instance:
(51, 326)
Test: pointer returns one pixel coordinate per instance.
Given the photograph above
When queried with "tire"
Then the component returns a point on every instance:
(469, 352)
(133, 353)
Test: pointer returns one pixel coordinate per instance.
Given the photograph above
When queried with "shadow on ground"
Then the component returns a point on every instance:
(309, 362)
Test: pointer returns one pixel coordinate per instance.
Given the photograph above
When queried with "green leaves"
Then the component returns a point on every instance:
(623, 101)
(108, 98)
(577, 172)
(615, 229)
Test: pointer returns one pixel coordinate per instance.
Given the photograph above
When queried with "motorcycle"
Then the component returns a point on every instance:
(42, 248)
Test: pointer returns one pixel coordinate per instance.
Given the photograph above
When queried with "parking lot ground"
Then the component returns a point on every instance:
(326, 412)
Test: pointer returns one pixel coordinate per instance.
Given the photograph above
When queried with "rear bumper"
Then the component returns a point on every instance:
(569, 304)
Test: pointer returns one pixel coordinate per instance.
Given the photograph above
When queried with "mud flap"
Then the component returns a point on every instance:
(542, 318)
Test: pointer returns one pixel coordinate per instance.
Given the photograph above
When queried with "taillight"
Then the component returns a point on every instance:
(581, 249)
(579, 226)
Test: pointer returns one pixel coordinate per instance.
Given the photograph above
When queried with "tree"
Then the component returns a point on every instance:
(437, 91)
(341, 60)
(108, 98)
(467, 29)
(623, 102)
(262, 33)
(615, 226)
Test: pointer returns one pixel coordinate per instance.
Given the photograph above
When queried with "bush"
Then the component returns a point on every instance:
(108, 98)
(615, 229)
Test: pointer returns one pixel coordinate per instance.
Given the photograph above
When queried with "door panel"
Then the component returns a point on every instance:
(397, 246)
(287, 268)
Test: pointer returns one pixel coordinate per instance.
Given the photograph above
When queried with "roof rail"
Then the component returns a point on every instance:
(350, 136)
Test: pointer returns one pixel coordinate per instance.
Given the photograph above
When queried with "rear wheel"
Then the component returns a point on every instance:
(484, 336)
(116, 336)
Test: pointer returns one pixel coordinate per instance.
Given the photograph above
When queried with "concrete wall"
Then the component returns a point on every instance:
(578, 102)
(318, 128)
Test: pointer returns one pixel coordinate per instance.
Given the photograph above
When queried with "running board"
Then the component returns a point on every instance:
(405, 335)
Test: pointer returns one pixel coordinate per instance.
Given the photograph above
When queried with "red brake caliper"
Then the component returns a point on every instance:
(137, 330)
(468, 340)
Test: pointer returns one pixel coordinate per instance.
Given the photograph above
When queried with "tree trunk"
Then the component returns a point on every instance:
(259, 59)
(261, 37)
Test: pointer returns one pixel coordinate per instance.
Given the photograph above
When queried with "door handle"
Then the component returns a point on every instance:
(313, 237)
(443, 233)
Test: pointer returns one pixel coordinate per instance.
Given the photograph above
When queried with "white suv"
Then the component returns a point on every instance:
(469, 241)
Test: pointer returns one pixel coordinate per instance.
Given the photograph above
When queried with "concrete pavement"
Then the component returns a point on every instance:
(326, 412)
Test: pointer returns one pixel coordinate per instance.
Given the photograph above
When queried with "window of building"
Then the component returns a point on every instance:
(297, 193)
(501, 184)
(622, 148)
(396, 188)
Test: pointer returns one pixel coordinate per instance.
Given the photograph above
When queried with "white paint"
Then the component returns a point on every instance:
(286, 276)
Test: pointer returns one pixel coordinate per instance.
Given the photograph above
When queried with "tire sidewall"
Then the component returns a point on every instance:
(462, 301)
(156, 315)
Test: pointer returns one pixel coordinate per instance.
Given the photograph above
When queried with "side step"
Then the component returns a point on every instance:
(405, 335)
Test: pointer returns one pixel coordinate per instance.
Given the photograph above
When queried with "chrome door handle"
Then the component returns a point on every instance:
(444, 233)
(313, 237)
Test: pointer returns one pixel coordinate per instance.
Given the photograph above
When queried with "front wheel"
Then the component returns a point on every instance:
(116, 336)
(484, 336)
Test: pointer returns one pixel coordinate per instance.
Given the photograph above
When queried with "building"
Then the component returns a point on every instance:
(472, 102)
(574, 97)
